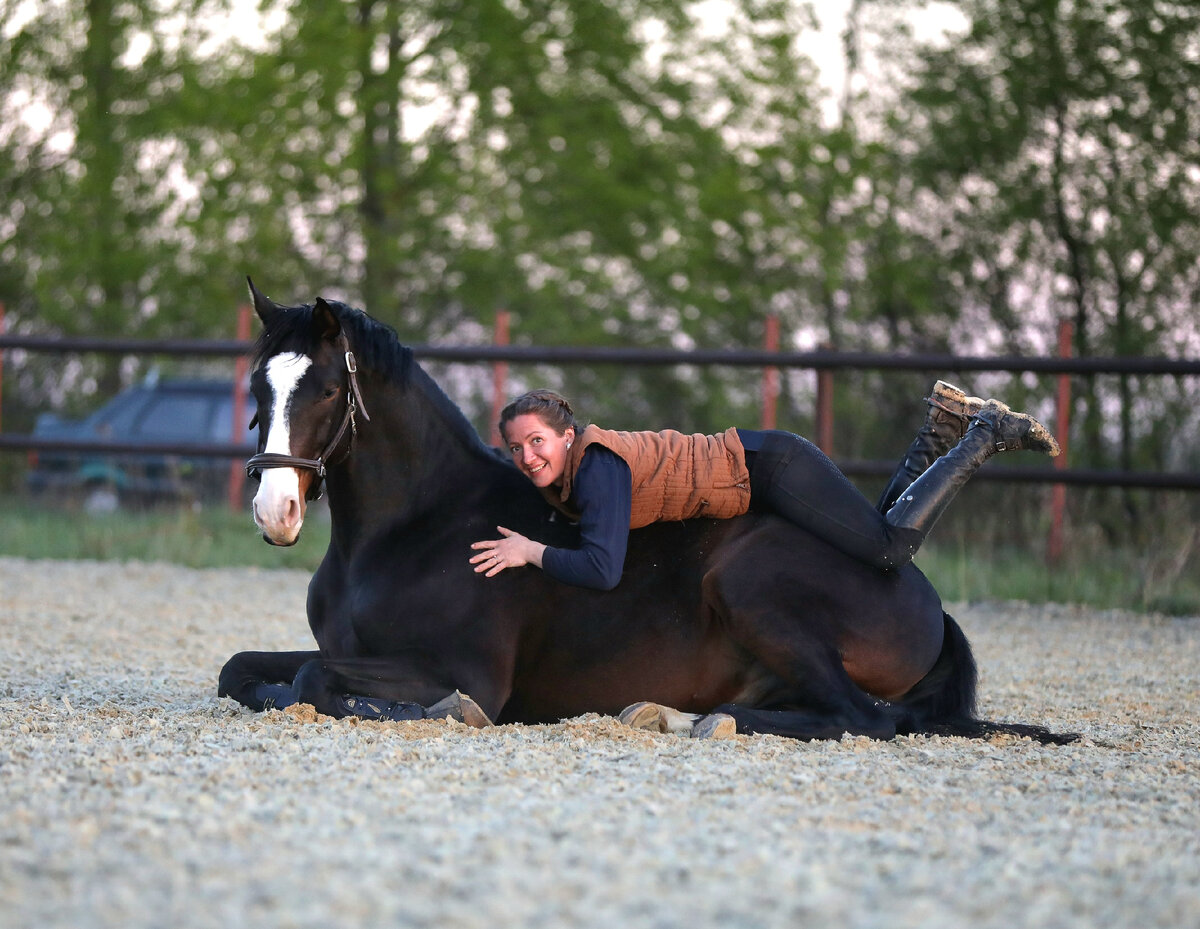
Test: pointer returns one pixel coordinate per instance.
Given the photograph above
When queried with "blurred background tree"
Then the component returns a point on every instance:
(630, 173)
(1057, 145)
(94, 99)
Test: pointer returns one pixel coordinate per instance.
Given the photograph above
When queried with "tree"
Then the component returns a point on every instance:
(90, 91)
(443, 160)
(1060, 140)
(608, 172)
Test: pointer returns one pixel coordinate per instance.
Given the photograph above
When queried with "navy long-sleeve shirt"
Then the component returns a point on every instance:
(603, 494)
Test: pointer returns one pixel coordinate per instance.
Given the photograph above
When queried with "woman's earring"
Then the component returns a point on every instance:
(568, 443)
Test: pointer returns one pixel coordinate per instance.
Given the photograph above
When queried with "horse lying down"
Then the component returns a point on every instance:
(748, 622)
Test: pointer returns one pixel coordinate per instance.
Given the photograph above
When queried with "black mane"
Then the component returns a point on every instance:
(376, 348)
(376, 345)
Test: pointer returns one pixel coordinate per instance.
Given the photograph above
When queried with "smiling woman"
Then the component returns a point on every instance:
(675, 476)
(610, 482)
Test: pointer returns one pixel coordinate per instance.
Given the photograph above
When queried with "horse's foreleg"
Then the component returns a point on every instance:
(392, 688)
(262, 680)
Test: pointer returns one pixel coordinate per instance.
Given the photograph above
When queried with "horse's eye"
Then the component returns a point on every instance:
(330, 392)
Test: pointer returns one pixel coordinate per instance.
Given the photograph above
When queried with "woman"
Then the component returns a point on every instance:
(611, 482)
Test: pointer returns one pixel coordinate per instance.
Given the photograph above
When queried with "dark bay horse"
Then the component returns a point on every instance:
(749, 616)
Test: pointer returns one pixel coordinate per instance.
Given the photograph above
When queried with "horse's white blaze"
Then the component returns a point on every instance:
(278, 507)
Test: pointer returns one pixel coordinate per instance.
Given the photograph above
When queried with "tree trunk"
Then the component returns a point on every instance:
(99, 149)
(380, 103)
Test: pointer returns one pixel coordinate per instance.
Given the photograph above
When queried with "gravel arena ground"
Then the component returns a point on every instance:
(133, 797)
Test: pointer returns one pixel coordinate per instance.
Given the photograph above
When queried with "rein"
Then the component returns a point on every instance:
(354, 404)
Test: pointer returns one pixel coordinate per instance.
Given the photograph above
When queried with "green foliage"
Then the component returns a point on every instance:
(91, 202)
(993, 545)
(614, 173)
(1060, 142)
(1111, 579)
(964, 565)
(212, 537)
(591, 168)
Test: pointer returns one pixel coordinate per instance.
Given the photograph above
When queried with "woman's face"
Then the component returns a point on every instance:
(539, 451)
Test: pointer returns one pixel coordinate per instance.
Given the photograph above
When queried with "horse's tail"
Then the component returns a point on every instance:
(943, 701)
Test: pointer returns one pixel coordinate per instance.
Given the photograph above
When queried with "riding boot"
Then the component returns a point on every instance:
(946, 422)
(995, 428)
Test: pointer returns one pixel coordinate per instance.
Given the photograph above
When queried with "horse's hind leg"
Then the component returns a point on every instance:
(818, 699)
(814, 697)
(807, 724)
(262, 680)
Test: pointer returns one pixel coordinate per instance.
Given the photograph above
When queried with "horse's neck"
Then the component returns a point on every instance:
(409, 459)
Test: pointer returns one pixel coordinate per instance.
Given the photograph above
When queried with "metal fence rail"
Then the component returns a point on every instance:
(816, 360)
(1074, 477)
(821, 360)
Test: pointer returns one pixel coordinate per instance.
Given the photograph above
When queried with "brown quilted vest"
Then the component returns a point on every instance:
(675, 476)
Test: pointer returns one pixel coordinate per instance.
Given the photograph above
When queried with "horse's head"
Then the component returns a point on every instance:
(307, 393)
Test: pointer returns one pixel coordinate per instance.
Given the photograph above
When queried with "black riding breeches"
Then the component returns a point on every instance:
(792, 477)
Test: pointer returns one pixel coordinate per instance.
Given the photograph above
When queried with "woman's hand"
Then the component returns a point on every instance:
(512, 551)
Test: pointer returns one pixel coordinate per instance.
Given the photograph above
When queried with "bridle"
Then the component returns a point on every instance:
(354, 404)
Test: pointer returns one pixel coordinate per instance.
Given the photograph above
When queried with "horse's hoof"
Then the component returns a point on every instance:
(458, 706)
(643, 716)
(473, 714)
(658, 718)
(715, 726)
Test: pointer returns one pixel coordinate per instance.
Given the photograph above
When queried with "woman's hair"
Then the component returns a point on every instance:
(550, 407)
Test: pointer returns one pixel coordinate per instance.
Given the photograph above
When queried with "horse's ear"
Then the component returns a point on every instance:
(325, 321)
(266, 308)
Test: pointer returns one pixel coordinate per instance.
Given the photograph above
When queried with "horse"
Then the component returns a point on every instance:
(750, 616)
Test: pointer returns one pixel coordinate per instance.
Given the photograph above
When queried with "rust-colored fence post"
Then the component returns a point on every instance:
(1, 368)
(770, 379)
(237, 472)
(1058, 492)
(499, 375)
(824, 424)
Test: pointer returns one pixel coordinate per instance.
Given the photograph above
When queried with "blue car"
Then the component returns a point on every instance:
(164, 411)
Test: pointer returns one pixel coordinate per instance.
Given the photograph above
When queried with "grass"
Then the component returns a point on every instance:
(1164, 580)
(1101, 578)
(208, 537)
